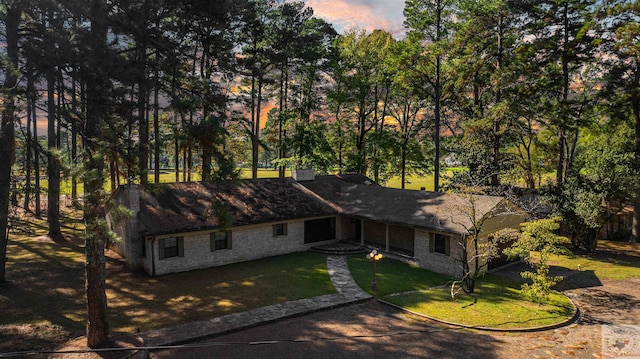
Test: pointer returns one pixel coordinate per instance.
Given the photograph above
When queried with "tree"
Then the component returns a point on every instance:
(539, 236)
(486, 70)
(306, 124)
(362, 78)
(10, 13)
(257, 61)
(606, 178)
(409, 107)
(478, 247)
(288, 22)
(98, 72)
(623, 78)
(562, 40)
(432, 21)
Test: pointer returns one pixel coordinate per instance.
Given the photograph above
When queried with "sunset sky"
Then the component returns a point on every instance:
(364, 14)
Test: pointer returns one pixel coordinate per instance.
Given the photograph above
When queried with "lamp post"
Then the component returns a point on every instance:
(374, 257)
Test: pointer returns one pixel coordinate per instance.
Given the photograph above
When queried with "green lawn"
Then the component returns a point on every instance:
(167, 176)
(392, 276)
(623, 265)
(47, 286)
(497, 303)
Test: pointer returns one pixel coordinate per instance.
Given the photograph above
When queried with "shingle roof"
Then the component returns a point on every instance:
(357, 196)
(188, 206)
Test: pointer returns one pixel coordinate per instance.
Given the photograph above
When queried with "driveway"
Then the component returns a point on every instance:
(374, 330)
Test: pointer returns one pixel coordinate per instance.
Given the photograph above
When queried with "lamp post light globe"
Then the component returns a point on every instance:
(374, 257)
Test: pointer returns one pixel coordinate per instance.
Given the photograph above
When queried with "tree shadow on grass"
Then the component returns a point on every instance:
(578, 279)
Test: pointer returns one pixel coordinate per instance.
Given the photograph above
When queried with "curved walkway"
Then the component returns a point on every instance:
(348, 292)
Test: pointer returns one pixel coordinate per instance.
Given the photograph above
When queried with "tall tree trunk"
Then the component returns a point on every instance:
(280, 120)
(177, 155)
(96, 234)
(437, 99)
(254, 123)
(255, 149)
(635, 105)
(156, 124)
(28, 144)
(7, 129)
(53, 162)
(36, 160)
(74, 142)
(143, 123)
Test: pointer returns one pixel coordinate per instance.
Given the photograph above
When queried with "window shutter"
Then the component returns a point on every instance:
(432, 242)
(180, 246)
(284, 229)
(447, 245)
(212, 241)
(275, 230)
(161, 249)
(229, 246)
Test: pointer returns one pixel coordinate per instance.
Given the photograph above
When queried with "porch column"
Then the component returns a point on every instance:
(362, 232)
(386, 237)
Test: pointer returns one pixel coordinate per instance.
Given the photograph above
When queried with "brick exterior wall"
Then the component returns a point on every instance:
(248, 243)
(402, 238)
(130, 245)
(437, 262)
(375, 233)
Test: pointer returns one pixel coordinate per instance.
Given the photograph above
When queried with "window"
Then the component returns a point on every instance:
(143, 246)
(440, 243)
(171, 247)
(317, 230)
(279, 229)
(220, 240)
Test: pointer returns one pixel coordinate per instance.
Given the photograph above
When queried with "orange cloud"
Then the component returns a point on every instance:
(362, 14)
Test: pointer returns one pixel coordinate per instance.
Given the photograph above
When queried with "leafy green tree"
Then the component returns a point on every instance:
(10, 15)
(622, 77)
(288, 23)
(486, 70)
(362, 78)
(257, 61)
(562, 45)
(409, 107)
(97, 76)
(539, 236)
(432, 22)
(306, 90)
(478, 246)
(606, 180)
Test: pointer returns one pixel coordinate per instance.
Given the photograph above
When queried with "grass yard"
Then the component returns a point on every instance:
(168, 176)
(46, 288)
(497, 303)
(392, 276)
(624, 264)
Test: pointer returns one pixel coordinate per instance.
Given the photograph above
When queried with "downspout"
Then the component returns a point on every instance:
(386, 237)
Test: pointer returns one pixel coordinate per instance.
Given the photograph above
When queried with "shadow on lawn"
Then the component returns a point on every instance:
(578, 279)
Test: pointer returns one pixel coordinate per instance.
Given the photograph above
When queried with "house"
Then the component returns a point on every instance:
(184, 226)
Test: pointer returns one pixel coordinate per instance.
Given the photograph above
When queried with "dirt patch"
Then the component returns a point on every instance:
(25, 337)
(118, 340)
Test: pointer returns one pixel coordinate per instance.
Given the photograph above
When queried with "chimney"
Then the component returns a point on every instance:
(302, 175)
(133, 197)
